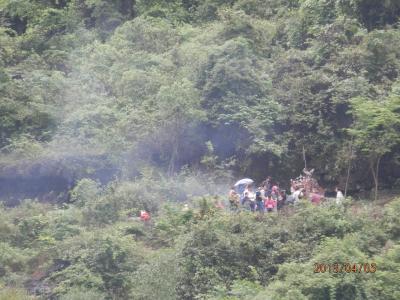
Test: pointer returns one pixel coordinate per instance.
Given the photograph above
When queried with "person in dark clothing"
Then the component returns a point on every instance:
(246, 200)
(281, 199)
(259, 201)
(267, 184)
(252, 205)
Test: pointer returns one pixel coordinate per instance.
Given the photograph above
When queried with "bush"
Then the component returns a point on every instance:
(391, 220)
(85, 191)
(80, 294)
(14, 294)
(103, 259)
(310, 285)
(384, 284)
(12, 260)
(157, 278)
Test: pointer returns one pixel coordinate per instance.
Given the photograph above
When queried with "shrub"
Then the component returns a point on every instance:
(101, 259)
(85, 191)
(80, 293)
(14, 294)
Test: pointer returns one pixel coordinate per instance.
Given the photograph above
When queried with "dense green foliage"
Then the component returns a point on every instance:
(128, 105)
(202, 252)
(131, 84)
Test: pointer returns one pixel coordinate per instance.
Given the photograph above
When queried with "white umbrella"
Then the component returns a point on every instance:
(244, 181)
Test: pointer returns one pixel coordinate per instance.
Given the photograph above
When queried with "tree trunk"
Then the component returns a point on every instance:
(375, 175)
(174, 155)
(304, 158)
(349, 168)
(175, 146)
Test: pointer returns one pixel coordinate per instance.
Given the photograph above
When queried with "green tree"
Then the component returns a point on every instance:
(178, 109)
(376, 130)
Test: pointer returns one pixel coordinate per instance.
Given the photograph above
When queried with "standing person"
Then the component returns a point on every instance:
(246, 190)
(297, 195)
(252, 204)
(275, 195)
(290, 199)
(281, 199)
(275, 188)
(246, 200)
(275, 192)
(144, 216)
(292, 186)
(267, 186)
(262, 192)
(234, 199)
(339, 196)
(252, 198)
(265, 182)
(269, 204)
(259, 200)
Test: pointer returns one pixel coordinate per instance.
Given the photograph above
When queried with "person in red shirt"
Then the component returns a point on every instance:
(275, 188)
(144, 216)
(269, 204)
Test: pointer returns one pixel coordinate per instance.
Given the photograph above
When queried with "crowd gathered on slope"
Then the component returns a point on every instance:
(269, 197)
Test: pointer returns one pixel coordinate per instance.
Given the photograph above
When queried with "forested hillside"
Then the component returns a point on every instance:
(111, 107)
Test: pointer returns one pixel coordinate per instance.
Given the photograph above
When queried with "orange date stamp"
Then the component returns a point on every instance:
(345, 268)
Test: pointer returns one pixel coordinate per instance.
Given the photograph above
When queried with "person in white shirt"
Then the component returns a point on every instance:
(339, 196)
(297, 194)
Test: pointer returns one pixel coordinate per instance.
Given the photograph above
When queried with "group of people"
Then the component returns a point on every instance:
(267, 197)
